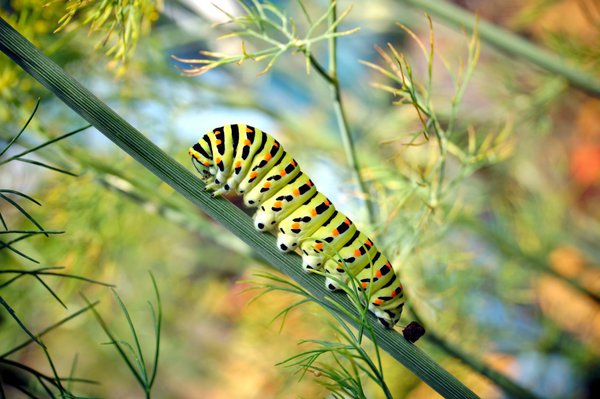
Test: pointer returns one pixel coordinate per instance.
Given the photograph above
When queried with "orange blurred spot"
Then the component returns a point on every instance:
(295, 226)
(282, 172)
(364, 284)
(348, 222)
(276, 144)
(314, 212)
(309, 183)
(335, 233)
(277, 204)
(296, 192)
(369, 243)
(585, 164)
(217, 160)
(217, 132)
(238, 164)
(267, 185)
(378, 274)
(248, 130)
(253, 174)
(218, 141)
(327, 202)
(319, 245)
(377, 301)
(247, 142)
(267, 157)
(206, 163)
(567, 260)
(357, 252)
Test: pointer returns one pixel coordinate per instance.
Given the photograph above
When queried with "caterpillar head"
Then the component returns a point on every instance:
(203, 165)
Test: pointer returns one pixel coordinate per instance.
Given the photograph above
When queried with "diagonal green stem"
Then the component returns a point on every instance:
(340, 114)
(183, 181)
(510, 43)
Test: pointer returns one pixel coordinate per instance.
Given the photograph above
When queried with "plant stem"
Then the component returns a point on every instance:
(108, 122)
(510, 387)
(510, 43)
(340, 115)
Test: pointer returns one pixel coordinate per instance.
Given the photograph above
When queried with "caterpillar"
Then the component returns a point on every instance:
(249, 162)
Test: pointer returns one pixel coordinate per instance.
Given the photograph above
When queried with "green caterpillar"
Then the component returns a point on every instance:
(242, 159)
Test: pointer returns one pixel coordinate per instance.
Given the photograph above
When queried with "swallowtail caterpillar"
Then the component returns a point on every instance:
(251, 163)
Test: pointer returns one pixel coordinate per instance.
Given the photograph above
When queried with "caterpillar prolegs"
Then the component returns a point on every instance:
(244, 160)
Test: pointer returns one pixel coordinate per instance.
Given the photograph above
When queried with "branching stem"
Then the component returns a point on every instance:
(340, 113)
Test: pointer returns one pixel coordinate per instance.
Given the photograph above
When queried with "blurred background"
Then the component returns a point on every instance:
(496, 238)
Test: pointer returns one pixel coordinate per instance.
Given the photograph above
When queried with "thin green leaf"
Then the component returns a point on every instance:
(19, 322)
(48, 329)
(10, 143)
(45, 165)
(20, 194)
(138, 348)
(23, 211)
(47, 143)
(113, 341)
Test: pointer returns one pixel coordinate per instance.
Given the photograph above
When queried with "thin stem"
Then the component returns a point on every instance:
(340, 113)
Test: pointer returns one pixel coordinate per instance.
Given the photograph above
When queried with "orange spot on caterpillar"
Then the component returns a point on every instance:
(217, 160)
(335, 233)
(309, 183)
(296, 192)
(364, 284)
(348, 222)
(319, 245)
(206, 163)
(282, 172)
(267, 157)
(238, 164)
(295, 226)
(267, 184)
(357, 252)
(253, 174)
(313, 212)
(217, 132)
(247, 142)
(276, 144)
(218, 141)
(377, 301)
(277, 204)
(293, 163)
(248, 130)
(327, 203)
(369, 243)
(378, 274)
(394, 294)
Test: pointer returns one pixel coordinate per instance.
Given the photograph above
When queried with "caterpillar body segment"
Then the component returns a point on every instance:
(273, 181)
(246, 161)
(303, 222)
(356, 255)
(327, 241)
(279, 206)
(268, 154)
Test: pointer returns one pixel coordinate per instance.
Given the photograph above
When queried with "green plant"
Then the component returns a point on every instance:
(132, 354)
